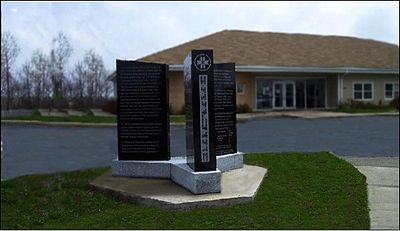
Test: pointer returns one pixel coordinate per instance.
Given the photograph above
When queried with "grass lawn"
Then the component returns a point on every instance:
(81, 119)
(302, 191)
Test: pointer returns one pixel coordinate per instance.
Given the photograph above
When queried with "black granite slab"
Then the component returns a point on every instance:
(225, 108)
(143, 121)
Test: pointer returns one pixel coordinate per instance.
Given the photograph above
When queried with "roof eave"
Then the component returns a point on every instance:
(275, 69)
(254, 68)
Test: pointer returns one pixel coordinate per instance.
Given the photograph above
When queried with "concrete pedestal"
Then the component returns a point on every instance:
(230, 161)
(143, 169)
(178, 171)
(196, 182)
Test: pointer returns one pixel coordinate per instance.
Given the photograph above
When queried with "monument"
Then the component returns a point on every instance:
(199, 104)
(143, 123)
(143, 138)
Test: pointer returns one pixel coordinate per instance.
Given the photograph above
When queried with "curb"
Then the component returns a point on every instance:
(293, 115)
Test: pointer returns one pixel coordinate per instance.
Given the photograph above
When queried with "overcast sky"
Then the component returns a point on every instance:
(135, 29)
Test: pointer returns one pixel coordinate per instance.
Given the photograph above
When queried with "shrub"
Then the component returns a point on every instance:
(170, 110)
(110, 106)
(243, 108)
(361, 104)
(181, 111)
(89, 112)
(395, 103)
(355, 104)
(36, 113)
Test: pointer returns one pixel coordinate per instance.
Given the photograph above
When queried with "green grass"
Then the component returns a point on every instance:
(177, 118)
(302, 191)
(80, 119)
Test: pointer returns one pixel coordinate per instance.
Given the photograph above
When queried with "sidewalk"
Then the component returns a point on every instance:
(309, 114)
(383, 189)
(383, 196)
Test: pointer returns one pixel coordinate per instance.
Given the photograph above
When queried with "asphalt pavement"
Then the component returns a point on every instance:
(29, 149)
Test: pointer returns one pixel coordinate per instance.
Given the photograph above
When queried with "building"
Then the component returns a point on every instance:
(279, 71)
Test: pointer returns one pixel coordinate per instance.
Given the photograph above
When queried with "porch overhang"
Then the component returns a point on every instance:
(277, 69)
(272, 69)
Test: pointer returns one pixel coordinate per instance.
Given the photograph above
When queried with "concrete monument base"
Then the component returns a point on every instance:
(237, 186)
(139, 168)
(177, 170)
(230, 161)
(196, 182)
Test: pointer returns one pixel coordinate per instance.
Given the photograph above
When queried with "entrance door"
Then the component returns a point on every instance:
(278, 95)
(284, 95)
(290, 95)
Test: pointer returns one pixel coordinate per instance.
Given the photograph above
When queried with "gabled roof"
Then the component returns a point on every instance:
(286, 50)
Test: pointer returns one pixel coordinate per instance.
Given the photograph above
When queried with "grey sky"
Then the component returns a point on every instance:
(135, 29)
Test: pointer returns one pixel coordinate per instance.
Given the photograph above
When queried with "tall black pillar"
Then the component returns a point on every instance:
(199, 103)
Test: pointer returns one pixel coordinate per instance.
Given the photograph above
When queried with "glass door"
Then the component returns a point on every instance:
(290, 95)
(315, 90)
(278, 95)
(284, 95)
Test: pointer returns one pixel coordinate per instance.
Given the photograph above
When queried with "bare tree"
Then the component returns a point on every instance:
(94, 75)
(60, 53)
(15, 92)
(68, 88)
(79, 83)
(38, 70)
(107, 87)
(26, 74)
(9, 52)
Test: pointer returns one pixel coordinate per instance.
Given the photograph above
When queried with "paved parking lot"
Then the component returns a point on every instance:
(39, 149)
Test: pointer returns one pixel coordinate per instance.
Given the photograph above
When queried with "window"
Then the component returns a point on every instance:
(240, 88)
(391, 90)
(315, 93)
(363, 91)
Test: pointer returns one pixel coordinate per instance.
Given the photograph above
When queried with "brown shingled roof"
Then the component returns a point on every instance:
(280, 49)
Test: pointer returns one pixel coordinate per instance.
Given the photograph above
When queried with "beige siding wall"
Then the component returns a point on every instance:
(331, 94)
(378, 86)
(176, 92)
(248, 97)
